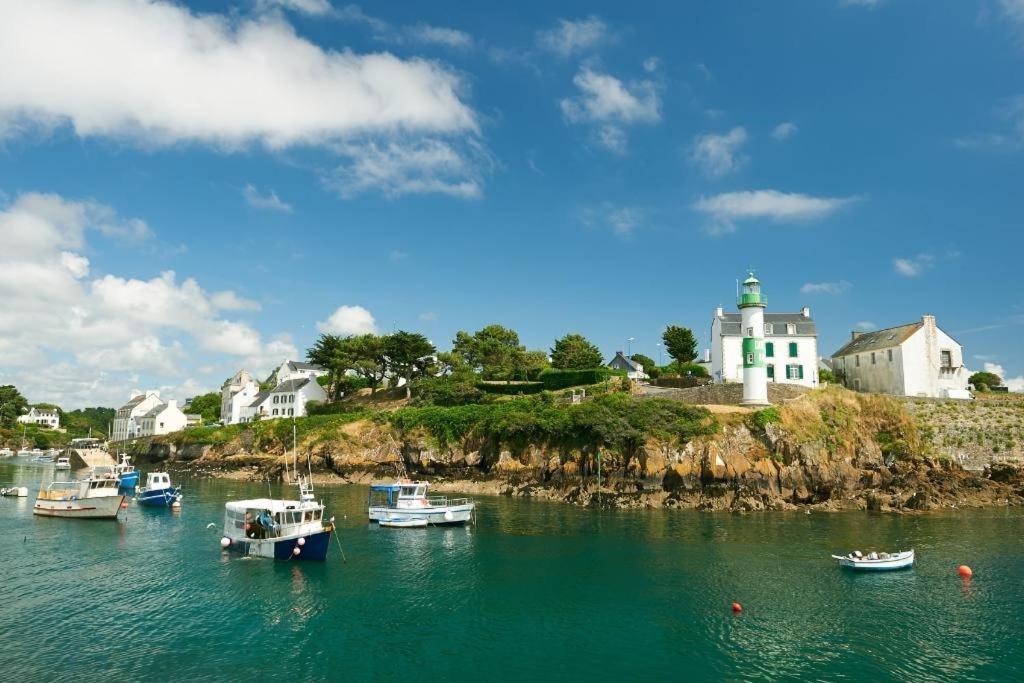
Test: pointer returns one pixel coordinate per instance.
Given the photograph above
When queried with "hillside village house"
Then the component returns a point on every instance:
(242, 400)
(146, 414)
(633, 369)
(790, 347)
(44, 417)
(236, 395)
(916, 359)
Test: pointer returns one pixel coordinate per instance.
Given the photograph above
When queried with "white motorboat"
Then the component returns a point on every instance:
(409, 499)
(95, 497)
(399, 522)
(280, 529)
(876, 562)
(6, 453)
(15, 492)
(63, 463)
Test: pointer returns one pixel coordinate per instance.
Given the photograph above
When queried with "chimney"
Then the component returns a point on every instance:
(929, 321)
(135, 392)
(719, 312)
(172, 403)
(805, 312)
(707, 355)
(855, 334)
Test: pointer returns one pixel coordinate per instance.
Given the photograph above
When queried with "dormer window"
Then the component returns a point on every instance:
(790, 328)
(769, 328)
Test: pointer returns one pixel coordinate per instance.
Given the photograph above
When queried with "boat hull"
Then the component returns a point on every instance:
(106, 507)
(438, 516)
(902, 561)
(404, 523)
(161, 498)
(314, 549)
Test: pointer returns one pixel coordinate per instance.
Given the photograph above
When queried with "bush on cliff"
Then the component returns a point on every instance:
(560, 379)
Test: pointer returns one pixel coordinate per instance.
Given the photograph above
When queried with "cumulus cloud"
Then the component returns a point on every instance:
(313, 7)
(152, 73)
(420, 33)
(607, 101)
(1014, 383)
(826, 287)
(269, 201)
(84, 329)
(348, 320)
(571, 37)
(1010, 115)
(717, 155)
(912, 267)
(784, 131)
(728, 208)
(396, 169)
(621, 220)
(651, 64)
(613, 138)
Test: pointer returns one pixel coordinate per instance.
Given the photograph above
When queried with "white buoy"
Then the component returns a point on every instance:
(448, 516)
(296, 551)
(302, 541)
(176, 505)
(225, 542)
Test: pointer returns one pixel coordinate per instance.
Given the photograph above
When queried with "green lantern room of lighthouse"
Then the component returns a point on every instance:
(751, 297)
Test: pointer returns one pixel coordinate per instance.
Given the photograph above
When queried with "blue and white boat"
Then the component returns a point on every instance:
(158, 491)
(127, 475)
(279, 529)
(408, 499)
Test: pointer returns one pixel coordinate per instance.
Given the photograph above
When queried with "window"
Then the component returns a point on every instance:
(890, 355)
(794, 372)
(771, 372)
(769, 350)
(769, 328)
(946, 359)
(790, 328)
(792, 350)
(857, 358)
(275, 411)
(291, 411)
(275, 399)
(750, 331)
(872, 357)
(291, 399)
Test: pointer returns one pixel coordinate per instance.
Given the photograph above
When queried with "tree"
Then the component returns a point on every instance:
(408, 356)
(686, 369)
(327, 353)
(575, 352)
(494, 351)
(645, 361)
(984, 381)
(532, 363)
(87, 421)
(366, 355)
(12, 404)
(680, 343)
(825, 375)
(207, 406)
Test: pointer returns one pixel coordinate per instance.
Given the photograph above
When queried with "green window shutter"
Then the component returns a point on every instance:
(769, 350)
(771, 369)
(801, 372)
(792, 349)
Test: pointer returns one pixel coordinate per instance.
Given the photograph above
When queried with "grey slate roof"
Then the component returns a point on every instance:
(259, 398)
(299, 365)
(879, 339)
(732, 324)
(290, 385)
(622, 359)
(156, 410)
(133, 402)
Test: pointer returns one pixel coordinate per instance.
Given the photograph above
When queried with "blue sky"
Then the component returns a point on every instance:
(300, 165)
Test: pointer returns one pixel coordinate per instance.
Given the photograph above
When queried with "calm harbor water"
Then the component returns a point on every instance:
(534, 590)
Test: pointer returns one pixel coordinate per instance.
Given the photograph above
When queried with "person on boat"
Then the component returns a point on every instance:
(266, 522)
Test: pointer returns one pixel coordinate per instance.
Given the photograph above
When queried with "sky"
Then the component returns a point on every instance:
(191, 188)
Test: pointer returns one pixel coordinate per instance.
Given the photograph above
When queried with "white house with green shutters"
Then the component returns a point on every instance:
(790, 347)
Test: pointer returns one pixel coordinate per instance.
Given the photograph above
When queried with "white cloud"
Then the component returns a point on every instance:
(1010, 112)
(605, 98)
(718, 155)
(912, 267)
(573, 37)
(347, 320)
(395, 169)
(1013, 9)
(153, 73)
(424, 34)
(984, 357)
(865, 326)
(313, 7)
(613, 138)
(651, 64)
(269, 201)
(784, 131)
(625, 220)
(727, 208)
(1014, 383)
(67, 334)
(440, 35)
(826, 287)
(621, 220)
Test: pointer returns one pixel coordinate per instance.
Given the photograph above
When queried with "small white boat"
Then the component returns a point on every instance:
(407, 498)
(63, 463)
(876, 562)
(6, 453)
(95, 497)
(15, 492)
(403, 522)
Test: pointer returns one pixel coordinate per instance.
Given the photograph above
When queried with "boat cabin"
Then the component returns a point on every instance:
(86, 488)
(262, 518)
(157, 480)
(402, 494)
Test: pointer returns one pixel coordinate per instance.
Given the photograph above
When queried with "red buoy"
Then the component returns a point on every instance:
(737, 608)
(964, 571)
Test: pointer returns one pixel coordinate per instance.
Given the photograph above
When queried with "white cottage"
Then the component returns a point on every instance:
(44, 417)
(916, 359)
(790, 347)
(634, 370)
(163, 418)
(126, 419)
(293, 369)
(236, 395)
(290, 397)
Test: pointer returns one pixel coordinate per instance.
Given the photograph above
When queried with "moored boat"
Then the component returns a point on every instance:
(400, 522)
(6, 453)
(15, 492)
(127, 475)
(158, 491)
(63, 463)
(279, 529)
(407, 498)
(878, 562)
(95, 497)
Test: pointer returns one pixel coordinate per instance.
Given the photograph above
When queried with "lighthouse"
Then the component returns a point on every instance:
(752, 303)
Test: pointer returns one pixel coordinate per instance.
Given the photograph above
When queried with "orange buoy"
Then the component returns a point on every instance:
(737, 607)
(964, 571)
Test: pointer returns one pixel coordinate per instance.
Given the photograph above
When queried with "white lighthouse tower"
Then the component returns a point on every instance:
(752, 303)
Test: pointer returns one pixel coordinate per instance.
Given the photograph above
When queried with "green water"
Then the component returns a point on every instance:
(533, 591)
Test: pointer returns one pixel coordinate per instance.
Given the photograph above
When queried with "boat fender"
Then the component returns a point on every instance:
(448, 516)
(302, 541)
(296, 551)
(225, 542)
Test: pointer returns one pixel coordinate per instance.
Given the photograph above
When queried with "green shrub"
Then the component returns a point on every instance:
(454, 390)
(560, 379)
(516, 389)
(766, 416)
(336, 408)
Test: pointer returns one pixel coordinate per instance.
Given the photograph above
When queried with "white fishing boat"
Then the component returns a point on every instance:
(400, 522)
(279, 529)
(95, 497)
(876, 562)
(15, 492)
(6, 453)
(407, 498)
(63, 463)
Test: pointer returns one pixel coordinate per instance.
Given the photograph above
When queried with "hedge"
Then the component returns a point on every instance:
(513, 389)
(560, 379)
(681, 382)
